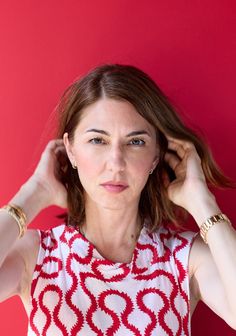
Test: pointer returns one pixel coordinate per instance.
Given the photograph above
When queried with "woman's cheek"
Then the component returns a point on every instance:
(88, 162)
(142, 164)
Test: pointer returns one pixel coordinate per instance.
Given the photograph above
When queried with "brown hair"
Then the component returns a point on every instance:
(126, 82)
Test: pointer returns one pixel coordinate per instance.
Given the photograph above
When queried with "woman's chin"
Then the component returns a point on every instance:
(112, 204)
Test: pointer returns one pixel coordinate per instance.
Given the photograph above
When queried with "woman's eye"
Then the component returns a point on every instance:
(97, 141)
(137, 142)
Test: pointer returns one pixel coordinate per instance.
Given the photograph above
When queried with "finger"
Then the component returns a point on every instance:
(54, 143)
(184, 143)
(184, 150)
(172, 160)
(60, 149)
(181, 152)
(54, 147)
(49, 151)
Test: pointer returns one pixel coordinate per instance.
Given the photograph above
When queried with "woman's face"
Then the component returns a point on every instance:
(114, 149)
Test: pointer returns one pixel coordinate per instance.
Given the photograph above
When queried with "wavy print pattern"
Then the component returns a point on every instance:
(75, 291)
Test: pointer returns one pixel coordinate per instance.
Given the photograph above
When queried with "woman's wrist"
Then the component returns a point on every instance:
(31, 198)
(203, 208)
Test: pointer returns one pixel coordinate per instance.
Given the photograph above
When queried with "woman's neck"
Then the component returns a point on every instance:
(109, 228)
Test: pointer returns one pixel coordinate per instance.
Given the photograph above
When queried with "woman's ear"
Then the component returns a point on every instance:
(156, 158)
(68, 148)
(155, 162)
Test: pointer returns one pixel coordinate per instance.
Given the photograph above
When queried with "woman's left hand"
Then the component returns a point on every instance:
(213, 268)
(189, 187)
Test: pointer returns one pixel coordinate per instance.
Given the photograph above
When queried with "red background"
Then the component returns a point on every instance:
(188, 47)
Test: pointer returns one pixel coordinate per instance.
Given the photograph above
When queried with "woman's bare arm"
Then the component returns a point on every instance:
(40, 191)
(214, 270)
(15, 252)
(214, 265)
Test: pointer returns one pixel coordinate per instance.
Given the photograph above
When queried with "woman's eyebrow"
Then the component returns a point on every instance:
(134, 133)
(97, 131)
(142, 132)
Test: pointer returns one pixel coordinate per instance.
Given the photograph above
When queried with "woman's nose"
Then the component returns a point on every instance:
(116, 159)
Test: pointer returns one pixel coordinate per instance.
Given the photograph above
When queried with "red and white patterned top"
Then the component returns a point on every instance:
(75, 291)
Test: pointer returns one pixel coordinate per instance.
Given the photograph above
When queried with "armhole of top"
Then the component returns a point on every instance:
(192, 239)
(190, 236)
(37, 263)
(39, 249)
(183, 256)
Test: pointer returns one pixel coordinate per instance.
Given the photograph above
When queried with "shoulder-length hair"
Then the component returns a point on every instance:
(126, 82)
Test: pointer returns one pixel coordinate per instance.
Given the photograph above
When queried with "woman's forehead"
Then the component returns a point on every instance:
(113, 114)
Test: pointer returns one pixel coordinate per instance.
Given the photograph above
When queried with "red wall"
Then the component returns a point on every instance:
(188, 47)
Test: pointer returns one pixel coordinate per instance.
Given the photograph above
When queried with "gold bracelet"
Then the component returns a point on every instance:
(18, 214)
(210, 222)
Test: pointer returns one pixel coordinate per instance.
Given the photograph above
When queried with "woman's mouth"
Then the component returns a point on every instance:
(114, 187)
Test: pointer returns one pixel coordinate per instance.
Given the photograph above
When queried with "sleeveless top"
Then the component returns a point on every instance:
(76, 291)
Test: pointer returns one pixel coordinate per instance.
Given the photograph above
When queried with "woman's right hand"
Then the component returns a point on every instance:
(46, 174)
(42, 189)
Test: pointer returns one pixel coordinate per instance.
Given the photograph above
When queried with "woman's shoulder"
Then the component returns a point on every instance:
(170, 249)
(56, 231)
(57, 235)
(173, 238)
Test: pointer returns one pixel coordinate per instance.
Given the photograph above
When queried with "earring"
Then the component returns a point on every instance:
(151, 171)
(74, 166)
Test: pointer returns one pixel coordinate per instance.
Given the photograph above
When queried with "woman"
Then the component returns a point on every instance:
(127, 169)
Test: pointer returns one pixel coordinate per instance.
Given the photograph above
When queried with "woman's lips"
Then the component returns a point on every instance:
(114, 188)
